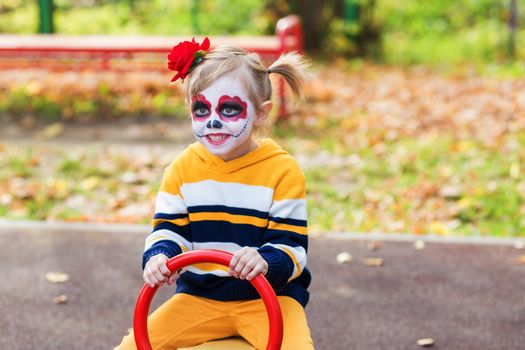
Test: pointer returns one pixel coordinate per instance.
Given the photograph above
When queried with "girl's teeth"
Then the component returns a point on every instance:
(217, 137)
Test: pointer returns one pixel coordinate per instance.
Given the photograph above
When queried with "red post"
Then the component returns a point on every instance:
(290, 33)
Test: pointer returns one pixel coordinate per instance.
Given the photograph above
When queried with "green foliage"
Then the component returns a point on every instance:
(159, 17)
(18, 16)
(400, 32)
(354, 36)
(447, 31)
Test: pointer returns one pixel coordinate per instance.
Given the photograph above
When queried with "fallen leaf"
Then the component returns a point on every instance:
(515, 171)
(450, 192)
(90, 183)
(343, 258)
(57, 277)
(5, 199)
(61, 299)
(519, 244)
(344, 291)
(373, 262)
(130, 178)
(439, 228)
(52, 131)
(372, 246)
(418, 229)
(61, 188)
(419, 244)
(520, 260)
(425, 342)
(34, 87)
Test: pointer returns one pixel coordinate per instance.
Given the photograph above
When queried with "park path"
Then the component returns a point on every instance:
(464, 296)
(155, 137)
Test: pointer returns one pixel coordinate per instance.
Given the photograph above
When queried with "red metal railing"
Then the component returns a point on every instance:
(60, 53)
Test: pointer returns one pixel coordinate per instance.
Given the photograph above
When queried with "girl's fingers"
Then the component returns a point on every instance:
(155, 275)
(252, 275)
(146, 278)
(156, 271)
(236, 258)
(151, 280)
(159, 276)
(249, 267)
(172, 278)
(242, 265)
(148, 282)
(260, 269)
(247, 263)
(255, 271)
(163, 268)
(234, 262)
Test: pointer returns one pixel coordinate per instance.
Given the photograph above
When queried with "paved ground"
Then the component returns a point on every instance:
(463, 296)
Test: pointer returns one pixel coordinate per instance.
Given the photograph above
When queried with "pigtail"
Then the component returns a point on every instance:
(292, 67)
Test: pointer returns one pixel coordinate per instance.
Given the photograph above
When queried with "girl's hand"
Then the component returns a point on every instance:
(156, 272)
(247, 263)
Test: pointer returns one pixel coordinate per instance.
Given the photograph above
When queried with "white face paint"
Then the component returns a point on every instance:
(223, 117)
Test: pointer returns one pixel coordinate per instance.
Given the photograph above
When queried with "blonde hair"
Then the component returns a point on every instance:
(226, 59)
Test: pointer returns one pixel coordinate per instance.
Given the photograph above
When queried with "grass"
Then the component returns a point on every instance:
(376, 156)
(93, 184)
(419, 185)
(440, 186)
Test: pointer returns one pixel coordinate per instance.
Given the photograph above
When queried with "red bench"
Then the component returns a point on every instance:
(60, 52)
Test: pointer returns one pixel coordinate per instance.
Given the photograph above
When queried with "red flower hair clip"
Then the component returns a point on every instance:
(185, 56)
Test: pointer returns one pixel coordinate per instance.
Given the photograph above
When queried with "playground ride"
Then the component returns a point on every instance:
(140, 326)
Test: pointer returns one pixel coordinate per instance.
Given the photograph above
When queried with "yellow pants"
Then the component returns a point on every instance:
(186, 320)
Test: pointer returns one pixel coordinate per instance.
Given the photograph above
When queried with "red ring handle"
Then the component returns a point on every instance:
(140, 318)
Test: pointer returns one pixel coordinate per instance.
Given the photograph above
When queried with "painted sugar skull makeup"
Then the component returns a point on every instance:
(223, 118)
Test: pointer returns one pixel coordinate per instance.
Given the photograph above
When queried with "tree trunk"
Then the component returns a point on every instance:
(314, 25)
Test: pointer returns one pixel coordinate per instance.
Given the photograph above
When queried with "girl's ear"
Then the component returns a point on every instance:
(264, 110)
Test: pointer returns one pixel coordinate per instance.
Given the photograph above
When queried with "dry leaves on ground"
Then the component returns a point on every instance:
(373, 262)
(57, 277)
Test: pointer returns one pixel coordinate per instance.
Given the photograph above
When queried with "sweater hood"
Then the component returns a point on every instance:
(266, 149)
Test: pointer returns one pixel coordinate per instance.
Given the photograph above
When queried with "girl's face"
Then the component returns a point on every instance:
(223, 118)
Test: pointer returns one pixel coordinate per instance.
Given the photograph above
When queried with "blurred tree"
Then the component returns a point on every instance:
(450, 31)
(314, 15)
(344, 26)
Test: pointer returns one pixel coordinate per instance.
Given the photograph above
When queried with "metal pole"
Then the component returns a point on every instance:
(351, 11)
(513, 24)
(45, 24)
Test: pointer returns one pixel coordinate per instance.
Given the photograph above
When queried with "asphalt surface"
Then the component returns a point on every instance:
(463, 296)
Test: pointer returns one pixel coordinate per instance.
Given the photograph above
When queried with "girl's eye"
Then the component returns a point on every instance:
(200, 109)
(230, 110)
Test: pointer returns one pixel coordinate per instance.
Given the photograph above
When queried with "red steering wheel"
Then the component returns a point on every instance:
(140, 319)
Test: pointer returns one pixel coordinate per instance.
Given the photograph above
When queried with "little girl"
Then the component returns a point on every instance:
(232, 192)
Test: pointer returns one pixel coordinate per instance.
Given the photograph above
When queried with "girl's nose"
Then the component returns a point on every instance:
(214, 124)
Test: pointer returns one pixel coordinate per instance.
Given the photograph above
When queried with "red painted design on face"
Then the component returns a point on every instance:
(231, 109)
(200, 107)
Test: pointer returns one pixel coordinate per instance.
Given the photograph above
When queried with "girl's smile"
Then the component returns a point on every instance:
(217, 139)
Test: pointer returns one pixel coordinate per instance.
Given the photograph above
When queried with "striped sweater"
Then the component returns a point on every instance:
(257, 200)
